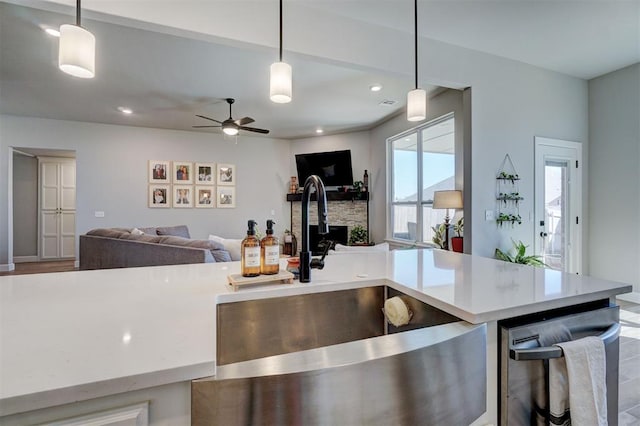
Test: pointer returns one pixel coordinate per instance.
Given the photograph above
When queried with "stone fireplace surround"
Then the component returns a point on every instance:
(341, 212)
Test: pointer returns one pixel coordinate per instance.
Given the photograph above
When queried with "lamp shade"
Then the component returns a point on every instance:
(280, 87)
(447, 199)
(77, 51)
(416, 105)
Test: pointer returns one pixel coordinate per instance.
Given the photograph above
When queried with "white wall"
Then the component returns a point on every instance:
(25, 205)
(614, 181)
(112, 174)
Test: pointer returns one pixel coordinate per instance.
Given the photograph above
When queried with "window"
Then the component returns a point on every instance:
(421, 161)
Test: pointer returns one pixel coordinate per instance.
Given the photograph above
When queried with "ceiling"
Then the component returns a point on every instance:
(167, 79)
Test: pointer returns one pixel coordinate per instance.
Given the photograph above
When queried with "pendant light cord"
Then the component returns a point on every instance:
(415, 35)
(78, 13)
(280, 30)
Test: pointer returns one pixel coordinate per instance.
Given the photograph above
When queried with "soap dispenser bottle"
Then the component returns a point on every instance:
(269, 252)
(250, 252)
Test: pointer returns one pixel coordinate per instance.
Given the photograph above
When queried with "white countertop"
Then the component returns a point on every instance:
(78, 335)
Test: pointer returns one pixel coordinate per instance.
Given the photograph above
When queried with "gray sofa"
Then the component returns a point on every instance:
(120, 248)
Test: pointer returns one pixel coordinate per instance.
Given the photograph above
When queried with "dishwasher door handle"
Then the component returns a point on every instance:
(549, 352)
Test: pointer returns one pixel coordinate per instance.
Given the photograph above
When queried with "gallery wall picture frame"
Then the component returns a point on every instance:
(159, 196)
(182, 172)
(226, 174)
(159, 171)
(226, 197)
(205, 173)
(205, 197)
(182, 196)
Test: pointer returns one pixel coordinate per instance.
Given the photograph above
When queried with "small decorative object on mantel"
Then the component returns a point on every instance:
(293, 185)
(508, 197)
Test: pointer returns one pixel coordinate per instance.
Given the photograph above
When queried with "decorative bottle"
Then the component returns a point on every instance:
(269, 252)
(365, 181)
(250, 252)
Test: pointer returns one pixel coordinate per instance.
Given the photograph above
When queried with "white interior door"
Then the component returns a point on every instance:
(558, 203)
(57, 208)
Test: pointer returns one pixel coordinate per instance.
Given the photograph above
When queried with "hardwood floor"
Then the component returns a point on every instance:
(629, 388)
(42, 267)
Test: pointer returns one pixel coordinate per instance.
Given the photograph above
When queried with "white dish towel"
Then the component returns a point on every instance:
(584, 365)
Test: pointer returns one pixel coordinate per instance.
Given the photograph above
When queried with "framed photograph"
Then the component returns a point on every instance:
(205, 173)
(159, 196)
(182, 196)
(226, 197)
(205, 197)
(159, 171)
(226, 174)
(182, 172)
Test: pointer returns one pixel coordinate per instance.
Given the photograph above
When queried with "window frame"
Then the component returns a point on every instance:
(419, 203)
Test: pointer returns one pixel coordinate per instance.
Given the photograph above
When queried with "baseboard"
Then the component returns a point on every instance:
(23, 259)
(7, 267)
(633, 297)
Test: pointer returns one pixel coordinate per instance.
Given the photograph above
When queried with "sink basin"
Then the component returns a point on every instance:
(259, 328)
(332, 358)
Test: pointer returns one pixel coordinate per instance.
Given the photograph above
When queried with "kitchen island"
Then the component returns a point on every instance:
(82, 342)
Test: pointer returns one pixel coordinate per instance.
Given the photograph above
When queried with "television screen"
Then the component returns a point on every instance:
(334, 168)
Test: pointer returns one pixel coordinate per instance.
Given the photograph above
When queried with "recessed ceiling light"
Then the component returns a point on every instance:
(52, 32)
(318, 131)
(375, 87)
(125, 110)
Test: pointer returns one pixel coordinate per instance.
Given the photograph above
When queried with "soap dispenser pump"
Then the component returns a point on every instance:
(269, 252)
(250, 252)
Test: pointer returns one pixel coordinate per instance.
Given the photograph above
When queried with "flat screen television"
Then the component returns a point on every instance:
(334, 168)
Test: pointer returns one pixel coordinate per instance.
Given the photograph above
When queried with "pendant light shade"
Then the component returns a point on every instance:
(417, 98)
(416, 105)
(280, 87)
(77, 49)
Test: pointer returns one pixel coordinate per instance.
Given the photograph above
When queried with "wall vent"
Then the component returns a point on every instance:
(388, 102)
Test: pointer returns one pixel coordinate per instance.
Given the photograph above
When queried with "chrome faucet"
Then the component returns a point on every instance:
(306, 263)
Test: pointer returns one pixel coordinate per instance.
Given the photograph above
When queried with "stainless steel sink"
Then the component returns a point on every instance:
(331, 358)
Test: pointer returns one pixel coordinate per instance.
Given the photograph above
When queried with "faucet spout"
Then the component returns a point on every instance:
(323, 223)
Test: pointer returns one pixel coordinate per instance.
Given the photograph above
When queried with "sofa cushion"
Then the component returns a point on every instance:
(176, 231)
(149, 231)
(217, 250)
(109, 232)
(230, 245)
(142, 237)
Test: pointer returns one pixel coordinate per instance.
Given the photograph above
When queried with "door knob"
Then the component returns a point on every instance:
(543, 234)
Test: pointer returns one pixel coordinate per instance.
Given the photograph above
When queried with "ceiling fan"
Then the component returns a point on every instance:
(231, 126)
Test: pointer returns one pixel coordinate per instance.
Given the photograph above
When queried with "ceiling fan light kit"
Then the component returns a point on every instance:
(417, 98)
(77, 49)
(230, 126)
(280, 87)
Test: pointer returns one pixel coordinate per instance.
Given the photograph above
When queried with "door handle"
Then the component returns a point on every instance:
(543, 234)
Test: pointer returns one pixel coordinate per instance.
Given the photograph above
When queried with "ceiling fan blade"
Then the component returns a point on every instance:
(253, 129)
(243, 121)
(203, 127)
(207, 118)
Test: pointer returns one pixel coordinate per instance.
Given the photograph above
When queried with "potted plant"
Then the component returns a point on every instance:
(358, 236)
(457, 241)
(520, 256)
(438, 235)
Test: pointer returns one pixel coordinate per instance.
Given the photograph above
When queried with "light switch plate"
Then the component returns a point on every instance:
(488, 215)
(99, 214)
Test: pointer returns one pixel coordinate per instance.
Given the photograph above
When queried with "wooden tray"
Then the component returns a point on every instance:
(282, 277)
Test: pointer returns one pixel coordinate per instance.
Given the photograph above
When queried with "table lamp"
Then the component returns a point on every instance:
(450, 199)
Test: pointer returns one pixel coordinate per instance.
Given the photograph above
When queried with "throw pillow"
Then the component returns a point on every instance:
(136, 231)
(230, 245)
(176, 231)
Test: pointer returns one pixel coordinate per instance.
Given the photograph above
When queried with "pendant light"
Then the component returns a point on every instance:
(417, 98)
(280, 87)
(77, 51)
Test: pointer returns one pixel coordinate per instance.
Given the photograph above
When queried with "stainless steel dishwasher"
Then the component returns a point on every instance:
(524, 358)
